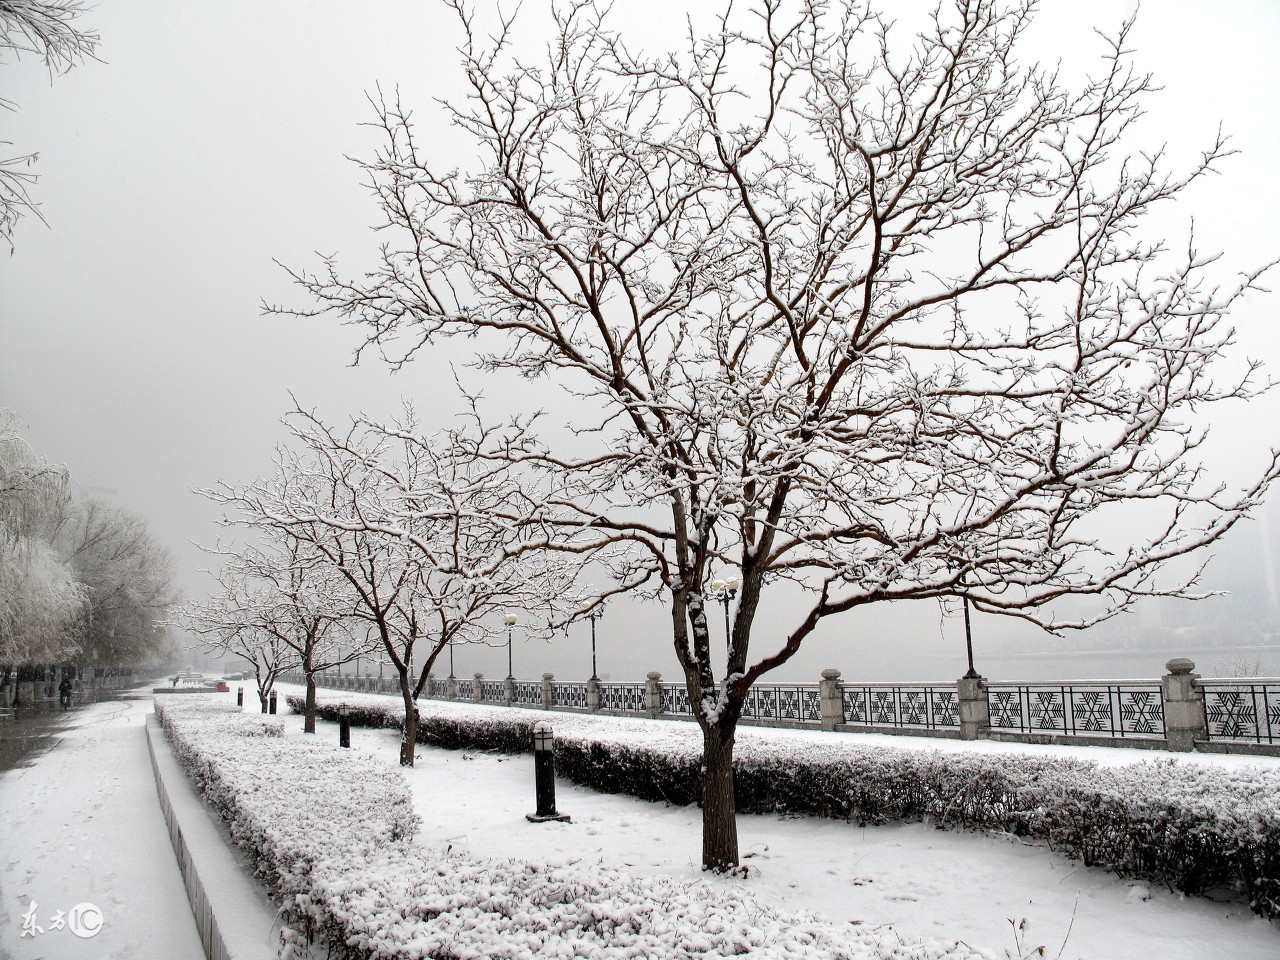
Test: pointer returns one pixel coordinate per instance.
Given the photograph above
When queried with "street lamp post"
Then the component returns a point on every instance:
(510, 620)
(593, 615)
(451, 658)
(968, 643)
(725, 591)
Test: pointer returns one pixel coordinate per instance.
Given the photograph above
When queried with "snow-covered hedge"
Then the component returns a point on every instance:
(1194, 827)
(281, 797)
(330, 831)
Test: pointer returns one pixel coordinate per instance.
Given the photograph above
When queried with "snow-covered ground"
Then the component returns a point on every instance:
(993, 892)
(83, 828)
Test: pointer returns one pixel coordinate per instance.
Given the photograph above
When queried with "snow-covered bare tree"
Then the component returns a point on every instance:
(240, 620)
(298, 601)
(867, 314)
(48, 30)
(431, 534)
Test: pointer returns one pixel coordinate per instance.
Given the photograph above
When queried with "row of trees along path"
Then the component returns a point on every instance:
(865, 316)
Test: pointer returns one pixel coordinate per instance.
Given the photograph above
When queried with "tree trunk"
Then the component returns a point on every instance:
(409, 739)
(719, 816)
(309, 721)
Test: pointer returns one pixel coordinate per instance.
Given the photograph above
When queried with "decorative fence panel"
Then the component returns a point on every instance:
(493, 691)
(622, 697)
(570, 695)
(439, 689)
(675, 699)
(923, 707)
(528, 693)
(1242, 710)
(783, 702)
(1122, 710)
(466, 689)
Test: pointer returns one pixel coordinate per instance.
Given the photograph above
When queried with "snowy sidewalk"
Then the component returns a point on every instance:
(922, 882)
(83, 828)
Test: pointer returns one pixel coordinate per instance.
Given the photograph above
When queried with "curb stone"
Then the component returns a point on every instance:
(233, 913)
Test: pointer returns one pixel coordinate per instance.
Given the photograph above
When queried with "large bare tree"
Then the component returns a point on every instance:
(870, 314)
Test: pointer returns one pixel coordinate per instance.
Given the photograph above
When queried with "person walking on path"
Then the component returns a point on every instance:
(64, 692)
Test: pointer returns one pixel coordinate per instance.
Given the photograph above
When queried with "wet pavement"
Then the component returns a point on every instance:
(87, 870)
(28, 731)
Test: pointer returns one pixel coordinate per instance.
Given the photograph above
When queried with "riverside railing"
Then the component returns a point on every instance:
(1242, 710)
(1180, 711)
(1119, 710)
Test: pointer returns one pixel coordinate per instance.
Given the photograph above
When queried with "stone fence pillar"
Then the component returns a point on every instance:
(974, 711)
(477, 688)
(451, 688)
(830, 699)
(509, 691)
(548, 691)
(593, 695)
(1184, 717)
(653, 695)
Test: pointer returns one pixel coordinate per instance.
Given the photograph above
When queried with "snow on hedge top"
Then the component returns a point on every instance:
(326, 825)
(282, 796)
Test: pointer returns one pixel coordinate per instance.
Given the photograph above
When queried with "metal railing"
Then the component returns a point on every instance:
(622, 697)
(1238, 711)
(783, 703)
(675, 699)
(572, 696)
(528, 693)
(1243, 710)
(925, 707)
(1120, 710)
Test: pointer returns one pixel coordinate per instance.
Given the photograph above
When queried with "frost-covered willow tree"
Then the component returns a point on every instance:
(864, 312)
(432, 535)
(42, 604)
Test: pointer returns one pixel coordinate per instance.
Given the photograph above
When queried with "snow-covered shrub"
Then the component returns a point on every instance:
(281, 797)
(330, 831)
(1191, 826)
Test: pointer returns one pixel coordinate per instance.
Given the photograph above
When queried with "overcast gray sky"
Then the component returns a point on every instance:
(211, 139)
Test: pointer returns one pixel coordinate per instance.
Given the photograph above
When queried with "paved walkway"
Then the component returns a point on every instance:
(83, 829)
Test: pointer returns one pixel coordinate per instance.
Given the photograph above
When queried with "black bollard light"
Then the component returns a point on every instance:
(272, 702)
(544, 771)
(344, 727)
(239, 696)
